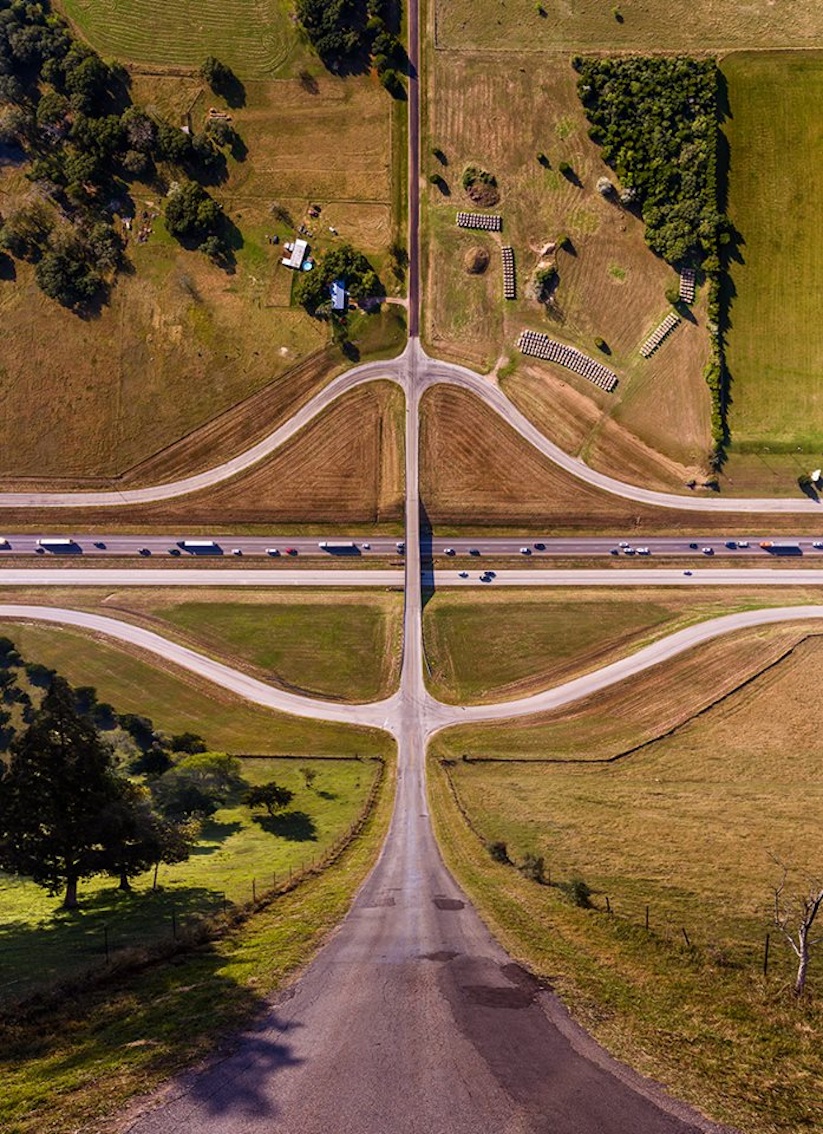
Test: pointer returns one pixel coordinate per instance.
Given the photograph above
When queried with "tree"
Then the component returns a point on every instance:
(794, 916)
(219, 76)
(188, 742)
(197, 785)
(137, 838)
(192, 212)
(67, 279)
(269, 795)
(54, 791)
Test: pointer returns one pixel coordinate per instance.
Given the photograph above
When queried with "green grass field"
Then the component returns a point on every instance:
(179, 702)
(494, 646)
(775, 348)
(236, 849)
(256, 39)
(77, 1064)
(688, 827)
(592, 25)
(346, 647)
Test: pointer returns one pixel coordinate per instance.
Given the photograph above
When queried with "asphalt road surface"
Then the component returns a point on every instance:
(308, 577)
(342, 547)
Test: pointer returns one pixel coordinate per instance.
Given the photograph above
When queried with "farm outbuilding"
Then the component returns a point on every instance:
(297, 254)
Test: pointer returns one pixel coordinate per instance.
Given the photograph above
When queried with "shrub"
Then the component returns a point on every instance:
(533, 868)
(601, 344)
(673, 295)
(192, 212)
(565, 168)
(579, 893)
(499, 851)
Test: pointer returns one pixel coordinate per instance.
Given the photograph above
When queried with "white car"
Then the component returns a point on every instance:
(708, 551)
(623, 543)
(366, 547)
(818, 544)
(525, 551)
(237, 551)
(643, 551)
(272, 551)
(745, 543)
(448, 551)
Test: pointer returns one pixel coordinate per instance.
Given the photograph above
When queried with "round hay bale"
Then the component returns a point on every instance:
(476, 261)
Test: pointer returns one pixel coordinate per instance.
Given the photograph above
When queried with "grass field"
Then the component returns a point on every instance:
(492, 646)
(345, 646)
(639, 710)
(182, 342)
(77, 1064)
(477, 472)
(236, 847)
(775, 349)
(590, 25)
(255, 39)
(344, 469)
(687, 826)
(610, 284)
(179, 702)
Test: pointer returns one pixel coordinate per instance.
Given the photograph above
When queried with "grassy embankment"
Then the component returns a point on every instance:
(183, 342)
(491, 646)
(775, 343)
(655, 426)
(74, 1066)
(686, 826)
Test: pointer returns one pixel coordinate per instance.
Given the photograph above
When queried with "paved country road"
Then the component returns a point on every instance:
(412, 1019)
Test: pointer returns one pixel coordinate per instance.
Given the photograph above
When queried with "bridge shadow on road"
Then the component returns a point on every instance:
(426, 556)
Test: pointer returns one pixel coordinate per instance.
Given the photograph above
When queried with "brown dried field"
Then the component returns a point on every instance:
(637, 710)
(182, 342)
(644, 25)
(492, 112)
(478, 472)
(345, 467)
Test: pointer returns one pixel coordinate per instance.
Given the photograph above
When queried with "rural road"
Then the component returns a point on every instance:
(412, 1019)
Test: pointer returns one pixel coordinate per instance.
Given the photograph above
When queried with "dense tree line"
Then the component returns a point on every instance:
(71, 115)
(86, 791)
(347, 34)
(656, 120)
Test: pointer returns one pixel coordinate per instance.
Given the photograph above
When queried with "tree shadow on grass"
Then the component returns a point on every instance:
(215, 832)
(158, 1020)
(296, 826)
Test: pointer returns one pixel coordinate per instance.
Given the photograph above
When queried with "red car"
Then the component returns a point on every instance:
(291, 551)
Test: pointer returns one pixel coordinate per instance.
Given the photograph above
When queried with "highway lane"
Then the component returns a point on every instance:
(107, 545)
(395, 578)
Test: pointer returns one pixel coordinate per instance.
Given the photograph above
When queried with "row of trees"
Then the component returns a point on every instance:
(71, 115)
(75, 803)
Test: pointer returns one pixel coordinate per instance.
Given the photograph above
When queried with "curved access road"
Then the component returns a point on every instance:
(377, 714)
(413, 370)
(391, 370)
(451, 374)
(411, 1018)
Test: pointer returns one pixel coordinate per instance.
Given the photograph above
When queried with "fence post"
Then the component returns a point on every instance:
(685, 934)
(766, 957)
(608, 906)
